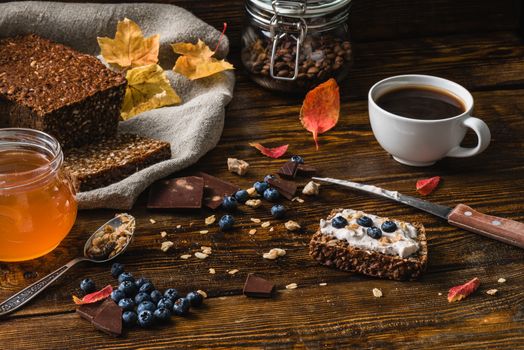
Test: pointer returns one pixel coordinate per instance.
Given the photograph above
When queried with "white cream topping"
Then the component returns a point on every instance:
(402, 242)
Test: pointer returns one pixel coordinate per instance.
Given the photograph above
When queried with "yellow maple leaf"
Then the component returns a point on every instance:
(147, 88)
(197, 61)
(129, 48)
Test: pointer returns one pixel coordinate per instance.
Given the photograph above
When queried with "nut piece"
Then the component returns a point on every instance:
(153, 221)
(210, 220)
(297, 199)
(255, 220)
(185, 256)
(292, 286)
(265, 224)
(252, 192)
(254, 203)
(203, 232)
(292, 225)
(322, 284)
(492, 291)
(377, 293)
(232, 272)
(206, 250)
(274, 254)
(237, 166)
(212, 271)
(163, 234)
(501, 280)
(252, 231)
(311, 189)
(201, 255)
(166, 246)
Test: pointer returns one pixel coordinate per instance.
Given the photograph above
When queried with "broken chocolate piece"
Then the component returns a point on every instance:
(108, 319)
(306, 170)
(286, 188)
(215, 189)
(257, 287)
(289, 169)
(180, 193)
(88, 311)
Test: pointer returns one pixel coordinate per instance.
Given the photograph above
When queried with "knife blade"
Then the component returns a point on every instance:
(463, 216)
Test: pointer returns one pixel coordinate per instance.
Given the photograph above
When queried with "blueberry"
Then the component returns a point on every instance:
(242, 196)
(229, 203)
(117, 295)
(147, 287)
(127, 304)
(339, 222)
(195, 298)
(146, 305)
(162, 314)
(155, 296)
(128, 288)
(140, 297)
(165, 302)
(87, 285)
(226, 222)
(271, 194)
(140, 282)
(278, 211)
(374, 232)
(297, 159)
(181, 307)
(117, 269)
(268, 177)
(126, 276)
(129, 318)
(260, 187)
(145, 318)
(365, 221)
(172, 294)
(389, 226)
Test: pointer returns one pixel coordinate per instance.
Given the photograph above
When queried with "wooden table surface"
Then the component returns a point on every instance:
(474, 43)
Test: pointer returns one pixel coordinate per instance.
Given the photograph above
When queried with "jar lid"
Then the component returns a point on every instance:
(304, 8)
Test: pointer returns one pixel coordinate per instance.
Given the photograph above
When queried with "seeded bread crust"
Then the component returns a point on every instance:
(339, 254)
(112, 160)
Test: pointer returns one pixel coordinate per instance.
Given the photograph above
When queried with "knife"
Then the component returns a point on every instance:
(463, 216)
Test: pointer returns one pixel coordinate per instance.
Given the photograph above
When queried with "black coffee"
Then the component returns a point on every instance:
(421, 102)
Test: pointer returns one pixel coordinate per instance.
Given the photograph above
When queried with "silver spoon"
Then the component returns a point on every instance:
(25, 295)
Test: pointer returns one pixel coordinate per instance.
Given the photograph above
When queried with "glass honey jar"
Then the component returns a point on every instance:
(37, 200)
(292, 46)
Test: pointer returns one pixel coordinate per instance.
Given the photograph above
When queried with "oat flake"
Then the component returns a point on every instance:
(377, 293)
(292, 286)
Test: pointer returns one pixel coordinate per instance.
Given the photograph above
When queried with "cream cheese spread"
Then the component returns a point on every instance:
(402, 242)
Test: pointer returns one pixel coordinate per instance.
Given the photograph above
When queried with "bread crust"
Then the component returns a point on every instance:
(336, 253)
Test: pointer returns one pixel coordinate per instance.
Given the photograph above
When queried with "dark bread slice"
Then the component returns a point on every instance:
(333, 252)
(113, 159)
(56, 89)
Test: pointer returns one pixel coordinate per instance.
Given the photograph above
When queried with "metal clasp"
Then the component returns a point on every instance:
(278, 31)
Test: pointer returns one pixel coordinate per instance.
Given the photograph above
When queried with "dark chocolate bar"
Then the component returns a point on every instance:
(286, 188)
(215, 189)
(183, 192)
(257, 287)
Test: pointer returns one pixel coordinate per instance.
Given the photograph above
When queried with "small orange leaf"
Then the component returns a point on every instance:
(321, 108)
(426, 186)
(196, 60)
(461, 292)
(129, 48)
(276, 152)
(94, 297)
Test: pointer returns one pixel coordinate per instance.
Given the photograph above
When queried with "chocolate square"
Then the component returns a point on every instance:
(289, 169)
(257, 287)
(108, 319)
(286, 188)
(215, 189)
(180, 193)
(88, 311)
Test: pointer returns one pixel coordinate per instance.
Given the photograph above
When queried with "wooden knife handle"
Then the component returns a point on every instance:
(504, 230)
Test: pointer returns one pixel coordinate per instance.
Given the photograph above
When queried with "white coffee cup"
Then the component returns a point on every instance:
(419, 142)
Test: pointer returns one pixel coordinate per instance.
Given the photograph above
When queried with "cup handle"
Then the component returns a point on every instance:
(483, 134)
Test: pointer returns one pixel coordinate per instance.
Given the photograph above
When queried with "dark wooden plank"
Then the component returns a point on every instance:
(409, 315)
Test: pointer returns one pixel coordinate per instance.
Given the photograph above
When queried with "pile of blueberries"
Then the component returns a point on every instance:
(142, 304)
(365, 221)
(230, 203)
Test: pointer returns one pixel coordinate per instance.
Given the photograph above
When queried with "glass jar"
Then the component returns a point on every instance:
(37, 201)
(292, 46)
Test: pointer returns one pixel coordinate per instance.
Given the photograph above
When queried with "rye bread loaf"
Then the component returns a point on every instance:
(332, 252)
(58, 90)
(113, 159)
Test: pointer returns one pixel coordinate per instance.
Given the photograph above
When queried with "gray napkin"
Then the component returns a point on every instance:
(193, 128)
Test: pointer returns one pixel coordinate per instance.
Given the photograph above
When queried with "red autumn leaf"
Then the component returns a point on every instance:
(461, 292)
(95, 296)
(276, 152)
(426, 186)
(321, 108)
